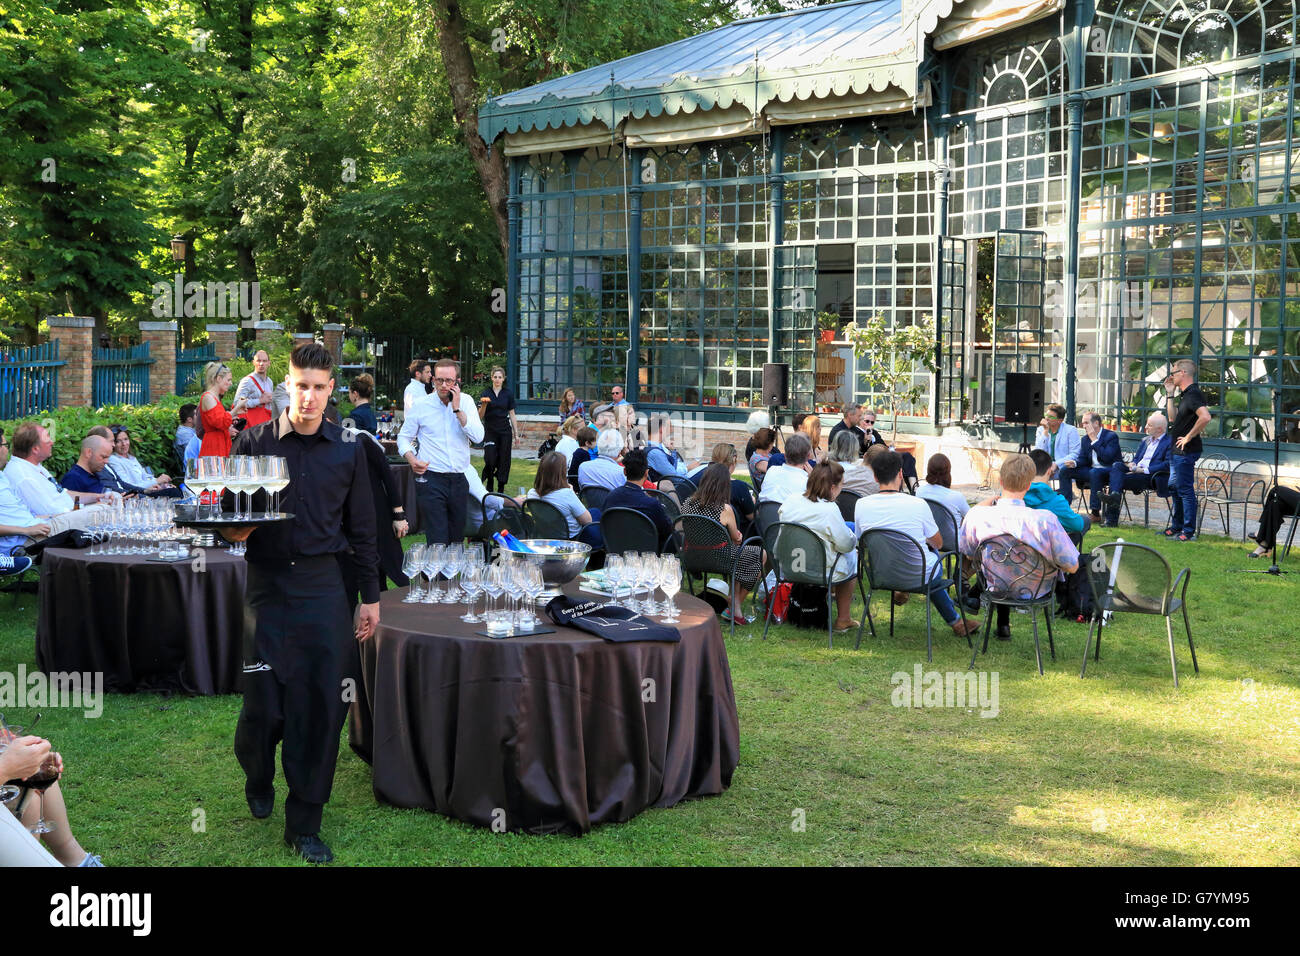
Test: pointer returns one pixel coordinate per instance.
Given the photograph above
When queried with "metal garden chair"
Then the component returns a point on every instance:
(626, 529)
(949, 524)
(798, 556)
(1134, 579)
(1014, 574)
(593, 496)
(547, 520)
(670, 503)
(1225, 497)
(846, 502)
(677, 485)
(508, 517)
(767, 514)
(889, 561)
(706, 546)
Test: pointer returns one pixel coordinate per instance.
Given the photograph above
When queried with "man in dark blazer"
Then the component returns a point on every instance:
(1149, 468)
(1098, 453)
(633, 495)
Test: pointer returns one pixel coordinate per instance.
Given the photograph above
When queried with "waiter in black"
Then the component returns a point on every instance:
(298, 631)
(497, 409)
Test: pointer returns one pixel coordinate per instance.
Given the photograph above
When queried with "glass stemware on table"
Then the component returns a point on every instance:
(413, 567)
(432, 567)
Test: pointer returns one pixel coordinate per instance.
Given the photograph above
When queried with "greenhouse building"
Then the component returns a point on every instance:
(1084, 189)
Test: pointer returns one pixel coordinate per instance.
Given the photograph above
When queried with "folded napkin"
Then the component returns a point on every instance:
(615, 624)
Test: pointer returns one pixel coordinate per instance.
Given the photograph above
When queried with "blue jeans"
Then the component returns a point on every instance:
(1182, 482)
(942, 602)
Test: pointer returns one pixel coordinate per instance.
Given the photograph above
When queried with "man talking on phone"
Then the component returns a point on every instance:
(435, 438)
(298, 631)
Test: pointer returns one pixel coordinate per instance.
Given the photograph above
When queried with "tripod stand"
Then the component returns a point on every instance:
(1273, 568)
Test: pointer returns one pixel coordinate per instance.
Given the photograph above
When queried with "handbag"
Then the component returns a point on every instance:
(778, 601)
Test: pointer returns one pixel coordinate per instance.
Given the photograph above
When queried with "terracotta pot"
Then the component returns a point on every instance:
(826, 336)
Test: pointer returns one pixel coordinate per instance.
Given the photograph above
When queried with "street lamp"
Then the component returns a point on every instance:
(178, 248)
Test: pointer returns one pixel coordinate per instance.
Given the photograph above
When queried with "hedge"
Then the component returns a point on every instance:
(152, 427)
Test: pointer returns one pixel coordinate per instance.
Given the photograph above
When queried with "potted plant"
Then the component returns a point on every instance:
(893, 356)
(827, 324)
(1128, 419)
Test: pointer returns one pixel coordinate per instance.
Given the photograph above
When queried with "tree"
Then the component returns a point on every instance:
(895, 356)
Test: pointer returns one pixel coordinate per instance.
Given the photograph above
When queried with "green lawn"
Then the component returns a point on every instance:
(1117, 769)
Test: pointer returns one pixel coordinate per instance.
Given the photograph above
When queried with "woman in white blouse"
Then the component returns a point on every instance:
(568, 442)
(127, 468)
(816, 510)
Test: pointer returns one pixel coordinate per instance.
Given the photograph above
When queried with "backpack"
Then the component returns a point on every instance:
(547, 446)
(808, 606)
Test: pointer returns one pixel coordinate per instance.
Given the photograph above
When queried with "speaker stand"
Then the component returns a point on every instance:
(1025, 448)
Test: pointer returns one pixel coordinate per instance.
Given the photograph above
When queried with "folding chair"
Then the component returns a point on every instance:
(1012, 573)
(798, 556)
(1134, 579)
(890, 560)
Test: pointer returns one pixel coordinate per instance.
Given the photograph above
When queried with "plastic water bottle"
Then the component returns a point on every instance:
(509, 542)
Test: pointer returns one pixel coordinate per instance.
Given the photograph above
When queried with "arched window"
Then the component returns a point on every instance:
(1129, 41)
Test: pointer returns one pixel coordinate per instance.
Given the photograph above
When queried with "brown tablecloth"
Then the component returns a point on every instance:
(147, 625)
(406, 481)
(542, 734)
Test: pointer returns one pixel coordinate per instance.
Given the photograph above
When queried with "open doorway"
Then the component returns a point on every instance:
(835, 285)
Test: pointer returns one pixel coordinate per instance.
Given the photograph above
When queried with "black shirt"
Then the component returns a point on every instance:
(1184, 419)
(861, 435)
(496, 414)
(328, 495)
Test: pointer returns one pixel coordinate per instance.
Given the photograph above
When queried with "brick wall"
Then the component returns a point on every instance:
(267, 330)
(161, 337)
(75, 335)
(223, 339)
(333, 335)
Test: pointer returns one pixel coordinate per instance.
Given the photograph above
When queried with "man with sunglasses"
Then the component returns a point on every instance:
(441, 430)
(1188, 419)
(1061, 440)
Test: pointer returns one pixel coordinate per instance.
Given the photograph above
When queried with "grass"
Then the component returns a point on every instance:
(1117, 769)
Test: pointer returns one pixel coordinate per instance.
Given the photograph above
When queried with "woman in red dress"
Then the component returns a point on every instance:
(214, 420)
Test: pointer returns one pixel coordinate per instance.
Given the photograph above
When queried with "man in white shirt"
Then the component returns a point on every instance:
(18, 519)
(790, 478)
(896, 510)
(415, 392)
(442, 430)
(257, 391)
(604, 471)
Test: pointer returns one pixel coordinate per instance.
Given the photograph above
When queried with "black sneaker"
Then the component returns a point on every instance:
(309, 846)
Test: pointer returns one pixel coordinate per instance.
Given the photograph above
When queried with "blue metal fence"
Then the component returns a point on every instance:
(121, 376)
(190, 362)
(29, 380)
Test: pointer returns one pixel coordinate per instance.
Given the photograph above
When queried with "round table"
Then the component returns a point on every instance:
(552, 733)
(146, 625)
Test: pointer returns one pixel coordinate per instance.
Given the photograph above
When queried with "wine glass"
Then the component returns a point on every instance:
(471, 579)
(453, 564)
(613, 575)
(8, 734)
(670, 581)
(632, 574)
(215, 471)
(40, 781)
(433, 561)
(533, 586)
(195, 482)
(415, 555)
(276, 479)
(494, 583)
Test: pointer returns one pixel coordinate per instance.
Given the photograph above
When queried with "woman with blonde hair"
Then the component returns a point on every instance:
(216, 425)
(568, 442)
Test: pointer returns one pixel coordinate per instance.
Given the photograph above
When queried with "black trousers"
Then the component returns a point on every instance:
(496, 459)
(443, 501)
(1279, 503)
(299, 649)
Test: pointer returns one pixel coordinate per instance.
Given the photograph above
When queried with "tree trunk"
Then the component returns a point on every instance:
(462, 78)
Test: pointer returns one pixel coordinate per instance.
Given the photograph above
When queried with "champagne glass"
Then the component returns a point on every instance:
(471, 579)
(433, 559)
(414, 554)
(215, 470)
(670, 581)
(632, 574)
(533, 587)
(261, 472)
(649, 580)
(194, 479)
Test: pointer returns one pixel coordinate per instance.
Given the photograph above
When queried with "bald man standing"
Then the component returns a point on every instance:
(257, 391)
